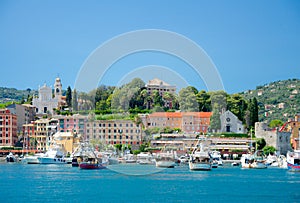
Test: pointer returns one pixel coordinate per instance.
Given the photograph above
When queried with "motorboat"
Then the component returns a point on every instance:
(144, 158)
(91, 163)
(165, 160)
(91, 160)
(129, 158)
(272, 160)
(53, 156)
(216, 156)
(11, 157)
(293, 160)
(200, 158)
(32, 159)
(255, 161)
(184, 159)
(282, 162)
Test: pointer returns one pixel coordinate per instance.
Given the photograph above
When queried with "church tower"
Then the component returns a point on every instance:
(57, 89)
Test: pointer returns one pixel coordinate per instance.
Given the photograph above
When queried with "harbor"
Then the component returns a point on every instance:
(35, 183)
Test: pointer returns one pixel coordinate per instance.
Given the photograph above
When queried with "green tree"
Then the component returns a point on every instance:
(204, 102)
(215, 122)
(260, 143)
(74, 100)
(269, 150)
(275, 123)
(69, 96)
(187, 100)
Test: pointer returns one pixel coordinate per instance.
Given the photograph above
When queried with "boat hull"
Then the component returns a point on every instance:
(200, 166)
(293, 167)
(165, 164)
(49, 160)
(85, 165)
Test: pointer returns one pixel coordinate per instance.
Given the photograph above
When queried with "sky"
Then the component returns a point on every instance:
(250, 43)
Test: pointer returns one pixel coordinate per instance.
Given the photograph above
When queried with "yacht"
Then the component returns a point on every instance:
(53, 156)
(200, 158)
(32, 159)
(144, 158)
(216, 156)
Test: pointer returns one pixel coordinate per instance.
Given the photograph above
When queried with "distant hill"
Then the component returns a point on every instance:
(12, 94)
(277, 100)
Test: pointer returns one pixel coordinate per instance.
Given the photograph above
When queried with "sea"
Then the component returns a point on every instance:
(145, 183)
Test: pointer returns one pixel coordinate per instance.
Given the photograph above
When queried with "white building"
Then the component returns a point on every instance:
(231, 123)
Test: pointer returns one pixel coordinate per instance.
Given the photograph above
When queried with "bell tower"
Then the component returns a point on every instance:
(57, 89)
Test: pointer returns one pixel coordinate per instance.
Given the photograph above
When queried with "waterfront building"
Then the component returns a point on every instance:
(72, 123)
(274, 137)
(25, 114)
(8, 128)
(231, 123)
(114, 132)
(186, 142)
(66, 141)
(293, 126)
(188, 122)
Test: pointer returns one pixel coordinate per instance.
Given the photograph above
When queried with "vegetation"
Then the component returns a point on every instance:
(275, 123)
(269, 150)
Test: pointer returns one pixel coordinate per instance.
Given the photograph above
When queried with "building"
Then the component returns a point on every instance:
(58, 93)
(273, 137)
(39, 133)
(66, 141)
(188, 122)
(160, 86)
(114, 132)
(231, 123)
(74, 123)
(25, 114)
(293, 126)
(8, 128)
(45, 103)
(185, 142)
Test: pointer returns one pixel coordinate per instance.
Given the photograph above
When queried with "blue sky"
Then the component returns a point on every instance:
(250, 42)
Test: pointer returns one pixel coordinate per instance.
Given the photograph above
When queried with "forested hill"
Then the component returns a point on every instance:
(277, 100)
(12, 94)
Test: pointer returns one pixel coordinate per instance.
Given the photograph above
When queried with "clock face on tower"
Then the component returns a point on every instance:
(228, 119)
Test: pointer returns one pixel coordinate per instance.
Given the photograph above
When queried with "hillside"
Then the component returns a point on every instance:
(12, 94)
(277, 100)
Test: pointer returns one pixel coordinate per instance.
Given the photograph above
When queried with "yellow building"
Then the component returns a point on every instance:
(67, 140)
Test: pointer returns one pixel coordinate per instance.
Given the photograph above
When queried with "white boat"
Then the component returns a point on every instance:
(282, 162)
(11, 158)
(32, 159)
(129, 158)
(53, 156)
(216, 156)
(184, 159)
(165, 160)
(144, 158)
(200, 158)
(293, 160)
(272, 161)
(255, 161)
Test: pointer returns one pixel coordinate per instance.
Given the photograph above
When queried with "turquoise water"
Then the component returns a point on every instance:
(63, 183)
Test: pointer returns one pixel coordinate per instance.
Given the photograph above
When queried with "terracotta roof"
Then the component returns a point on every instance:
(181, 114)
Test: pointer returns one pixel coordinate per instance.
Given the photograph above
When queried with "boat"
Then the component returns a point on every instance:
(200, 158)
(91, 163)
(11, 158)
(282, 162)
(144, 158)
(272, 160)
(293, 160)
(90, 160)
(165, 158)
(255, 161)
(129, 158)
(54, 155)
(184, 159)
(216, 156)
(32, 159)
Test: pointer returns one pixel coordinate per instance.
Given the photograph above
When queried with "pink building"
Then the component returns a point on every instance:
(8, 128)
